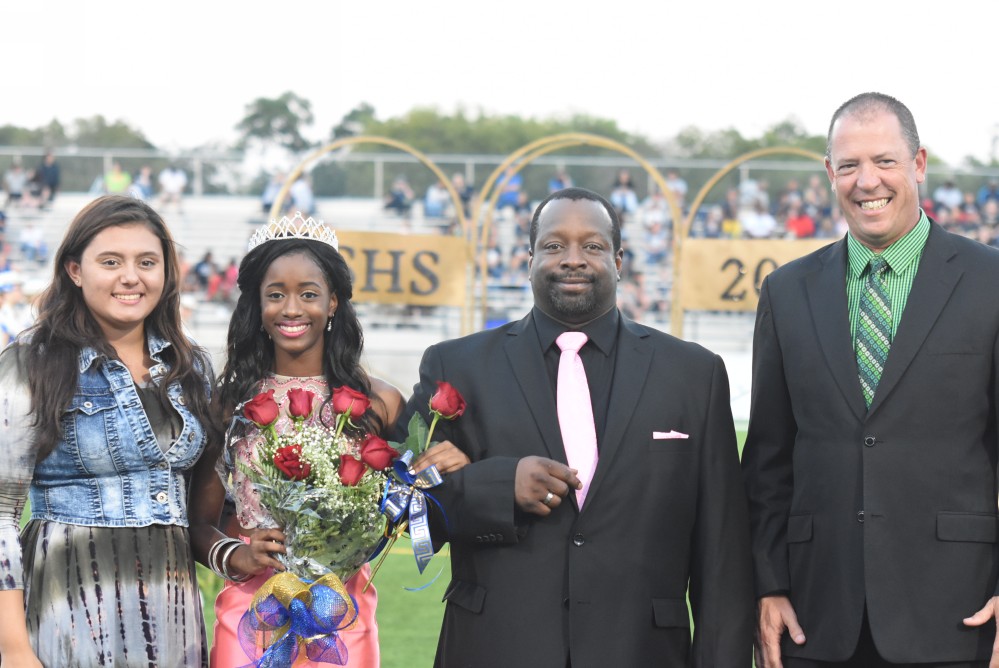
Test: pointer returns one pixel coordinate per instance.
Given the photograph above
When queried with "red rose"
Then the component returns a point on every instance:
(289, 462)
(377, 453)
(447, 401)
(300, 402)
(349, 400)
(262, 410)
(351, 470)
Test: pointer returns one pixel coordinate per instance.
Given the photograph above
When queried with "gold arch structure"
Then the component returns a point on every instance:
(459, 210)
(494, 185)
(680, 234)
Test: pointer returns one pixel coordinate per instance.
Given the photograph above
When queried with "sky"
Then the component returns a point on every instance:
(183, 71)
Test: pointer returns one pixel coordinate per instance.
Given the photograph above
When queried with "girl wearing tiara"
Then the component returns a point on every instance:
(293, 327)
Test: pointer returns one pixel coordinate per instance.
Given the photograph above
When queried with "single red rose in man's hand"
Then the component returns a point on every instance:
(447, 401)
(262, 410)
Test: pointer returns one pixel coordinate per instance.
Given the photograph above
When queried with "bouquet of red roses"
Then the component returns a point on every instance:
(322, 485)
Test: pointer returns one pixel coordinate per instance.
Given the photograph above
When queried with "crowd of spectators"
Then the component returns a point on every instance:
(752, 210)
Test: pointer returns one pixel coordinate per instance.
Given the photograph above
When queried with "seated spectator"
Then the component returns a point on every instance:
(465, 192)
(655, 209)
(116, 180)
(301, 196)
(270, 193)
(520, 257)
(559, 181)
(757, 223)
(435, 200)
(798, 224)
(514, 182)
(204, 270)
(142, 184)
(989, 191)
(791, 193)
(623, 196)
(656, 244)
(400, 197)
(948, 195)
(15, 183)
(31, 242)
(677, 186)
(816, 196)
(173, 181)
(50, 176)
(968, 211)
(15, 311)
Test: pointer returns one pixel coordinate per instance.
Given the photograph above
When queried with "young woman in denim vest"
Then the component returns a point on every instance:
(104, 409)
(294, 326)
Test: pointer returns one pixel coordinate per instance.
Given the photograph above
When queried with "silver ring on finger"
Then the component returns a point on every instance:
(548, 498)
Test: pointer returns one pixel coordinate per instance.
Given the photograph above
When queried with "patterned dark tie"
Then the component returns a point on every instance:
(874, 328)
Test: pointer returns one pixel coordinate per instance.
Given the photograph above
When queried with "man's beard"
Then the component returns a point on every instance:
(584, 303)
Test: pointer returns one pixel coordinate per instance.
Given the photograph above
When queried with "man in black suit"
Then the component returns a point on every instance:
(540, 578)
(870, 462)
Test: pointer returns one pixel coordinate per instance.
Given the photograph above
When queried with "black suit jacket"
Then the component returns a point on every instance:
(892, 507)
(609, 583)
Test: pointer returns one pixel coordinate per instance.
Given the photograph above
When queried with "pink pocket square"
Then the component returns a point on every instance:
(662, 435)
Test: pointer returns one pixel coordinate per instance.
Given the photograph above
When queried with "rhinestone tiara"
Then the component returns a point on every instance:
(295, 227)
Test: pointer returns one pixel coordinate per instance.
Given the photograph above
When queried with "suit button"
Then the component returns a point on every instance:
(869, 441)
(565, 603)
(478, 539)
(860, 517)
(578, 540)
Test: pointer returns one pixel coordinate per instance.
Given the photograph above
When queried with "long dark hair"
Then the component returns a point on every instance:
(65, 326)
(249, 351)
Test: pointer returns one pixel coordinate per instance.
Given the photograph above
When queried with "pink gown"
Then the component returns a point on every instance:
(234, 599)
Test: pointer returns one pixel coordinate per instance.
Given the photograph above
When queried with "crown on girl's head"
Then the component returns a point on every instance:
(296, 227)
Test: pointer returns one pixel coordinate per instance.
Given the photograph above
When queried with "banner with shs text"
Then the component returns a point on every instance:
(726, 274)
(419, 269)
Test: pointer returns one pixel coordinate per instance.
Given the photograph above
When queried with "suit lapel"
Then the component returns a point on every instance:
(528, 364)
(934, 282)
(826, 290)
(631, 368)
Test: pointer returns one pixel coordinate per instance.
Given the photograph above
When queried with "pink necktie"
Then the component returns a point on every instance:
(575, 412)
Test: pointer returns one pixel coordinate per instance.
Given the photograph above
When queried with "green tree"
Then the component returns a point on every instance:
(96, 132)
(354, 122)
(279, 121)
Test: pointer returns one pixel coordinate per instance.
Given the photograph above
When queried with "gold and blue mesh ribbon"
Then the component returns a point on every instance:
(290, 616)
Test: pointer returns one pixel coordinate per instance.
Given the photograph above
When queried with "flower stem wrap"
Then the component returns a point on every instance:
(289, 615)
(406, 500)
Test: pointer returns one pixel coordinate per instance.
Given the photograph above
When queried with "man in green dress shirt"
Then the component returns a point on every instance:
(871, 459)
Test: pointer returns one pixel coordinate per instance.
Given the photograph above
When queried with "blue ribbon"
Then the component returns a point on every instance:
(313, 626)
(406, 500)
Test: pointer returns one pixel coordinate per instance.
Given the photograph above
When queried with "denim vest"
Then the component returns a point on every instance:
(109, 469)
